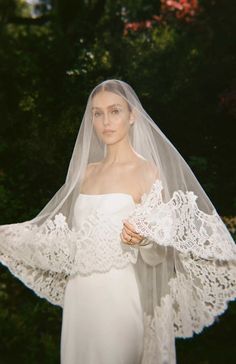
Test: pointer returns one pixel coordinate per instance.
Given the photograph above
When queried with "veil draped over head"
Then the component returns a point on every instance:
(186, 272)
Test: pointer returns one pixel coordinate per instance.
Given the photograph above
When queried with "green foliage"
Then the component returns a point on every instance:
(29, 327)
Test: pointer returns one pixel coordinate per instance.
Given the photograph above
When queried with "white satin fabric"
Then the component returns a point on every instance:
(102, 319)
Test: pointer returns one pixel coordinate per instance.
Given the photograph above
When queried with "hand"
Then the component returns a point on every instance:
(128, 232)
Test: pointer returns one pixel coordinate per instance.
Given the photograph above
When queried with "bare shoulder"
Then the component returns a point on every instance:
(89, 171)
(150, 174)
(151, 170)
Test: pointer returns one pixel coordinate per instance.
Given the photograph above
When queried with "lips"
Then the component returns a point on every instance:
(108, 131)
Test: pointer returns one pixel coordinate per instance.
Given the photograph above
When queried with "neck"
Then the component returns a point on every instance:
(120, 152)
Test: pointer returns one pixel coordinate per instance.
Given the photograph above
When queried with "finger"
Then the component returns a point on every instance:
(130, 229)
(136, 238)
(127, 240)
(126, 235)
(128, 224)
(134, 235)
(124, 240)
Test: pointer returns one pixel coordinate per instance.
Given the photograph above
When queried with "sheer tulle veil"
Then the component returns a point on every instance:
(187, 272)
(146, 138)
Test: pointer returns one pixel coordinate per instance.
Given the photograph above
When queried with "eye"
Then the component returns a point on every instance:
(115, 111)
(96, 113)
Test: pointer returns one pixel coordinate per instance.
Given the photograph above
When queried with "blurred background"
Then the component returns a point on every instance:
(180, 58)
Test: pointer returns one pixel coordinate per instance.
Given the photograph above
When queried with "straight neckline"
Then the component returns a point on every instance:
(112, 193)
(157, 182)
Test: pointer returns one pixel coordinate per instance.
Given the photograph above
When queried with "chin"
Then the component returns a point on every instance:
(111, 139)
(107, 139)
(109, 143)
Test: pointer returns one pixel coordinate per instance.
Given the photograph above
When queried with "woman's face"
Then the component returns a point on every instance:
(110, 112)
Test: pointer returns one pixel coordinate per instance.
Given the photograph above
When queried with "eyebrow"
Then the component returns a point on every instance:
(96, 107)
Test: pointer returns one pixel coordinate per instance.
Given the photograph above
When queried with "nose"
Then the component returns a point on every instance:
(106, 119)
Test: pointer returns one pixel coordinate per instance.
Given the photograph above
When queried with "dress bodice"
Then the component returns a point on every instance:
(99, 222)
(116, 205)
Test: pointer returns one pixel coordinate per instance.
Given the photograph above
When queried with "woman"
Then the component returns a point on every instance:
(131, 256)
(98, 327)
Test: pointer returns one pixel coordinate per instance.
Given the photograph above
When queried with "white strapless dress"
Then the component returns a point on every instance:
(102, 319)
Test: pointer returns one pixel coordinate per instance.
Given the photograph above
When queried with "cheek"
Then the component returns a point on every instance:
(97, 124)
(123, 122)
